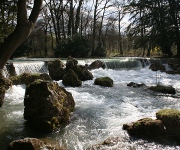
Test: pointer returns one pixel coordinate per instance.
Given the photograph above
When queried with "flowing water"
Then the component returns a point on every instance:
(100, 112)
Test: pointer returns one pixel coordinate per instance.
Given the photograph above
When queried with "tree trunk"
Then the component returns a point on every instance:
(23, 29)
(78, 16)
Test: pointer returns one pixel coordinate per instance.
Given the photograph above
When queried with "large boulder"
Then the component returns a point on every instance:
(27, 144)
(81, 71)
(171, 120)
(145, 128)
(96, 65)
(71, 63)
(47, 105)
(56, 69)
(165, 127)
(163, 89)
(71, 79)
(27, 78)
(32, 144)
(157, 66)
(104, 81)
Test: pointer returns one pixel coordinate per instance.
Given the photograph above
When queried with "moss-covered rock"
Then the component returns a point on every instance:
(96, 65)
(135, 85)
(157, 66)
(146, 128)
(27, 78)
(163, 89)
(27, 144)
(56, 69)
(47, 105)
(104, 81)
(71, 79)
(166, 127)
(81, 71)
(171, 120)
(71, 63)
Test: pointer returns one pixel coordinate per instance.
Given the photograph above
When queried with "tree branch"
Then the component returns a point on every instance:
(36, 10)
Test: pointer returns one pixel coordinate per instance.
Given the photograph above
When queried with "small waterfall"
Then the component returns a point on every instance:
(28, 67)
(126, 64)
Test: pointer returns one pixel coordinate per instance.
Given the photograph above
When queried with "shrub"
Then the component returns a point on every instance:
(76, 46)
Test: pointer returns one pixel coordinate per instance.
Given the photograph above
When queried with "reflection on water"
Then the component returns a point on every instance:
(100, 111)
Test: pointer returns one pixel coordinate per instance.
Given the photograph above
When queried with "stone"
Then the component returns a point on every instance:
(56, 69)
(27, 78)
(163, 89)
(157, 66)
(96, 65)
(47, 105)
(71, 63)
(171, 120)
(115, 143)
(145, 128)
(27, 144)
(165, 128)
(83, 73)
(135, 85)
(104, 81)
(71, 79)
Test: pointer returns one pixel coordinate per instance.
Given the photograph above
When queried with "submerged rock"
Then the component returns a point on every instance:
(47, 105)
(71, 79)
(56, 69)
(116, 143)
(27, 78)
(163, 89)
(135, 85)
(104, 81)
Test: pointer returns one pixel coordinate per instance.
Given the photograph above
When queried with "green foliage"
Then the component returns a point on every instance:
(100, 51)
(154, 23)
(8, 14)
(76, 46)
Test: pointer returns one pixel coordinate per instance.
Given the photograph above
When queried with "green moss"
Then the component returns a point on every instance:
(104, 81)
(169, 116)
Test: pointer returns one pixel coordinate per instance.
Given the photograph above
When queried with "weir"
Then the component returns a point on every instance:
(37, 66)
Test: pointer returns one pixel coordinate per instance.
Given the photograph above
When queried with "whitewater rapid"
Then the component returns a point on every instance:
(100, 112)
